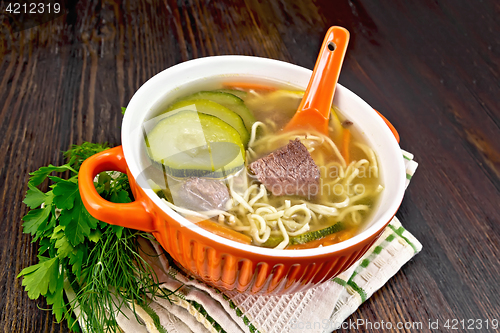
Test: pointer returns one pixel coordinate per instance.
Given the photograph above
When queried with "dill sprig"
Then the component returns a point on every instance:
(102, 263)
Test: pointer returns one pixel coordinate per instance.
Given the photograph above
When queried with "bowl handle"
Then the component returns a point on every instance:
(132, 215)
(391, 127)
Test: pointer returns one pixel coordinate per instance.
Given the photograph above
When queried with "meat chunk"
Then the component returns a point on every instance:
(201, 194)
(289, 170)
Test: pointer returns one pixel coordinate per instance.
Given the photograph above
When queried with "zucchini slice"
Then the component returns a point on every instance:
(230, 101)
(214, 109)
(317, 234)
(306, 237)
(238, 93)
(194, 144)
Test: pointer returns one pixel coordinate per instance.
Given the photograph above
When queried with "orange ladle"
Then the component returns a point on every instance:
(314, 110)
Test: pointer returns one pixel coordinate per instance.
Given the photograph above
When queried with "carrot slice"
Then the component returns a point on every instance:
(248, 86)
(223, 231)
(346, 139)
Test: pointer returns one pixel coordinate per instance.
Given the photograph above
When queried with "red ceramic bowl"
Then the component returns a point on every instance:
(218, 261)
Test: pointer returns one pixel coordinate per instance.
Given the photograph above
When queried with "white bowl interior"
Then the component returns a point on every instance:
(369, 124)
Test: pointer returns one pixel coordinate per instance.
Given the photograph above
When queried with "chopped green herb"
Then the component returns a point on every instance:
(100, 262)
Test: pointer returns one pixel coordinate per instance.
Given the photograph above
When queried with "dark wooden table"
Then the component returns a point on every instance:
(431, 67)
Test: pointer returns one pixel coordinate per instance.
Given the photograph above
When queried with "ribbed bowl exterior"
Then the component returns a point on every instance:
(218, 267)
(231, 268)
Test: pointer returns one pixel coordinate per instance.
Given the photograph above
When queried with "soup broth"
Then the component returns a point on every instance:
(203, 141)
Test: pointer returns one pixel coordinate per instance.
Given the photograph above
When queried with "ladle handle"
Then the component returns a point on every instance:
(317, 101)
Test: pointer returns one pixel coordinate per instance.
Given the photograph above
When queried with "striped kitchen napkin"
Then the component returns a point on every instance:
(197, 307)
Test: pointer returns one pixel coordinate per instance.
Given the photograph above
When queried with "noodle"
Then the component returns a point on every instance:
(261, 194)
(256, 232)
(351, 209)
(322, 209)
(286, 238)
(254, 132)
(302, 230)
(369, 152)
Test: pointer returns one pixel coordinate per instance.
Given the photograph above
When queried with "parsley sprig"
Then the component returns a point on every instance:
(101, 263)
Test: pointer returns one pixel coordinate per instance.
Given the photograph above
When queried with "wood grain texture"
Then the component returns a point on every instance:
(431, 67)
